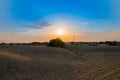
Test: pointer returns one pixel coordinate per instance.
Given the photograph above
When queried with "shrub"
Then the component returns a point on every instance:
(44, 43)
(35, 43)
(56, 43)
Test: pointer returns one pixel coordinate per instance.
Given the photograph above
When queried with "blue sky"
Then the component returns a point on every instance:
(25, 18)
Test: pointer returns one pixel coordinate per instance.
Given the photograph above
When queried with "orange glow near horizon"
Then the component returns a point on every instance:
(66, 36)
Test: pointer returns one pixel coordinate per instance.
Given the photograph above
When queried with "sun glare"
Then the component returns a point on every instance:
(60, 32)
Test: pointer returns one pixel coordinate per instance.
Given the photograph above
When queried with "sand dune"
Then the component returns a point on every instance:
(47, 63)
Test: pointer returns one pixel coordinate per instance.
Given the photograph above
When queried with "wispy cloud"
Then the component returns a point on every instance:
(41, 24)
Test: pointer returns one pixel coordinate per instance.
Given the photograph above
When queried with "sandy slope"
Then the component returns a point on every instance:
(72, 63)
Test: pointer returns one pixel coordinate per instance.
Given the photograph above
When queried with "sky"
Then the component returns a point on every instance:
(39, 20)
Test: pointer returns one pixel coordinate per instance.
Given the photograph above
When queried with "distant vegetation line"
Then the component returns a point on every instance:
(111, 43)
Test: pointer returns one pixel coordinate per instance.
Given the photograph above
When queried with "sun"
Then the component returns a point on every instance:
(60, 32)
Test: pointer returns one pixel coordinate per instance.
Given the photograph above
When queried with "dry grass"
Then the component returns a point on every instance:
(72, 63)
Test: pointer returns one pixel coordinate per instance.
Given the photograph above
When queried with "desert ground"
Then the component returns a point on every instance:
(23, 62)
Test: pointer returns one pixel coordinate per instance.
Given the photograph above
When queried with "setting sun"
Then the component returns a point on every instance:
(60, 32)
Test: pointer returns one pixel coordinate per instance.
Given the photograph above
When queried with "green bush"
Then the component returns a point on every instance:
(56, 43)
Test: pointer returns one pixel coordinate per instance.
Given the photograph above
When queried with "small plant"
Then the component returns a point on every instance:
(56, 43)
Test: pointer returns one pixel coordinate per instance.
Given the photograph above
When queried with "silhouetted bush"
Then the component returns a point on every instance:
(102, 42)
(10, 43)
(111, 43)
(2, 44)
(44, 43)
(56, 43)
(39, 43)
(72, 42)
(35, 43)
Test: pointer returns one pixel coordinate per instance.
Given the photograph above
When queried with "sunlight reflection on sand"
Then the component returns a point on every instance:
(14, 56)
